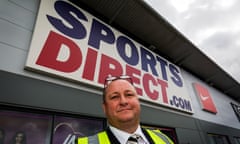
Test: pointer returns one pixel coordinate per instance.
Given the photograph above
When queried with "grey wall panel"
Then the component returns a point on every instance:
(14, 36)
(24, 91)
(12, 59)
(160, 117)
(17, 20)
(22, 13)
(31, 5)
(189, 136)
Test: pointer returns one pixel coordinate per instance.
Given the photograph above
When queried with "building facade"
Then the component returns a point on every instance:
(55, 56)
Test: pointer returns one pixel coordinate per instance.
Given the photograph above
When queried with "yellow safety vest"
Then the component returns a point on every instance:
(102, 138)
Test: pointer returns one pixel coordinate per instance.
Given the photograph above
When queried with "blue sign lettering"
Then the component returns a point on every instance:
(64, 9)
(181, 103)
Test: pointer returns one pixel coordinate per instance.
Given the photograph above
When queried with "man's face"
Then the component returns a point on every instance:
(121, 103)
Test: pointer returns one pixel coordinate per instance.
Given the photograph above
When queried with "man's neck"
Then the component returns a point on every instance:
(127, 127)
(122, 136)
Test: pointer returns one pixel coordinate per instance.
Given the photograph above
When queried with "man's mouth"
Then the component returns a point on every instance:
(125, 109)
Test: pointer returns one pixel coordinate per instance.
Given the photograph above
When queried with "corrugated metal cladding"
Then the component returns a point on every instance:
(141, 22)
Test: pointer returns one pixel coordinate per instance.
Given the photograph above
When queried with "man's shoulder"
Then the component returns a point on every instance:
(95, 134)
(152, 130)
(156, 132)
(94, 138)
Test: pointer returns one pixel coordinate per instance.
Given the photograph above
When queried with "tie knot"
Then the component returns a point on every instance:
(135, 139)
(136, 136)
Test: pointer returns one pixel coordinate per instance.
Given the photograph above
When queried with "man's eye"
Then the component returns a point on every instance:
(114, 97)
(130, 94)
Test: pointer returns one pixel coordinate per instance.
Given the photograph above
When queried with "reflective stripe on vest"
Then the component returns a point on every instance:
(103, 138)
(83, 140)
(100, 138)
(158, 137)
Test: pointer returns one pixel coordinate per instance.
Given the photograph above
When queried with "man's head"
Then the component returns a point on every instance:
(120, 102)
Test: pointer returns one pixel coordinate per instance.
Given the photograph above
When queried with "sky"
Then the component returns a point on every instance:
(213, 26)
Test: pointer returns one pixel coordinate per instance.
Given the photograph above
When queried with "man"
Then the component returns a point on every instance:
(122, 109)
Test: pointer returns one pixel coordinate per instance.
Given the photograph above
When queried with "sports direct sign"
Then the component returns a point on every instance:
(69, 42)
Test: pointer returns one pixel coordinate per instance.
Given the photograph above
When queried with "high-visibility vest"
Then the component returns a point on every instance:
(102, 138)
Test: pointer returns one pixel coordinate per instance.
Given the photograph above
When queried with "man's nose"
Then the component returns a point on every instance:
(123, 100)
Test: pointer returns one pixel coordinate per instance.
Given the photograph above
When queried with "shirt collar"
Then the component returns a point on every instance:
(123, 136)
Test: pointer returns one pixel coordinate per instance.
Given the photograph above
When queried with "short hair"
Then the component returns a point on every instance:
(110, 79)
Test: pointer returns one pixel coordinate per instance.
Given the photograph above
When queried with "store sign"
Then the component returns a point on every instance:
(69, 42)
(205, 98)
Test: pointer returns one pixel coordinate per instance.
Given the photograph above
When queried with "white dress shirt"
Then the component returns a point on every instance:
(123, 136)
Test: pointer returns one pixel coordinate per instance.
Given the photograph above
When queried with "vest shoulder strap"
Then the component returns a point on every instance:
(103, 138)
(99, 138)
(158, 137)
(82, 140)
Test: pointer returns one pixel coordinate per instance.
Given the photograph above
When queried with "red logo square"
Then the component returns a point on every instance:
(205, 98)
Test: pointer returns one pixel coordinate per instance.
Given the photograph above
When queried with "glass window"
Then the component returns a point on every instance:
(46, 128)
(66, 129)
(237, 140)
(22, 128)
(218, 139)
